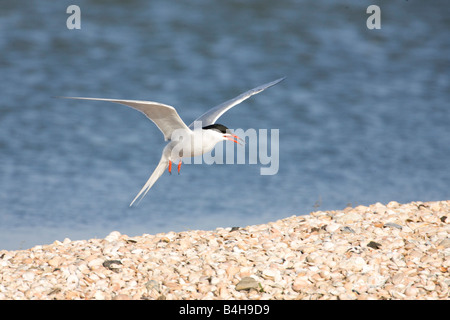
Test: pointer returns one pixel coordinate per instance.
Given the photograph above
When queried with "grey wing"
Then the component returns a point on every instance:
(211, 116)
(164, 116)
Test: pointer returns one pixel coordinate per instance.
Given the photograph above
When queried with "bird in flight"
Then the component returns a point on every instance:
(198, 138)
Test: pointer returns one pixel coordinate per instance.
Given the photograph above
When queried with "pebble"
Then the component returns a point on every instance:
(374, 245)
(28, 276)
(96, 263)
(247, 283)
(445, 243)
(393, 225)
(113, 236)
(381, 251)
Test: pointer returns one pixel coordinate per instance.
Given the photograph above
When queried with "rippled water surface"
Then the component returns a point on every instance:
(363, 115)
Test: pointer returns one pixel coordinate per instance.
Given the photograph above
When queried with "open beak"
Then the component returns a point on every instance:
(234, 138)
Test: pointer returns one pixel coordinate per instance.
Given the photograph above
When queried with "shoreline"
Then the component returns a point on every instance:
(392, 251)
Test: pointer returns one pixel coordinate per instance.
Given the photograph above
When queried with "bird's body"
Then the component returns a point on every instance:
(192, 143)
(200, 137)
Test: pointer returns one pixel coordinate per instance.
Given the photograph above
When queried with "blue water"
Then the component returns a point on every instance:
(363, 114)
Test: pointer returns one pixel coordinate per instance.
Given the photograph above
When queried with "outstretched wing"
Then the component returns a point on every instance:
(211, 116)
(164, 116)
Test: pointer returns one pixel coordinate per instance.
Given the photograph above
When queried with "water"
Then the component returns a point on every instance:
(363, 114)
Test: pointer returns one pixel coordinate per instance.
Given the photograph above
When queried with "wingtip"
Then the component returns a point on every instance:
(270, 84)
(64, 97)
(134, 201)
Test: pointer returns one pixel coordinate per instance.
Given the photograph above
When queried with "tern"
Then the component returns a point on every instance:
(185, 141)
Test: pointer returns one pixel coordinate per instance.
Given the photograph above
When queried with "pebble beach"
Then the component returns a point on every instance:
(382, 251)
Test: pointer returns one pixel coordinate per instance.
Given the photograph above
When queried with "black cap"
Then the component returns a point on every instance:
(218, 127)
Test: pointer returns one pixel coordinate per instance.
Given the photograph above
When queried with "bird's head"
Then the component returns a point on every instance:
(226, 134)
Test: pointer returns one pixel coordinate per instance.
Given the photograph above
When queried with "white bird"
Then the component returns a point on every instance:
(185, 141)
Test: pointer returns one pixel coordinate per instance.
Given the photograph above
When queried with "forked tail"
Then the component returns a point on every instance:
(162, 165)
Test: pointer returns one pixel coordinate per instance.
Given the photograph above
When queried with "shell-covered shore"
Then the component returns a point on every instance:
(381, 251)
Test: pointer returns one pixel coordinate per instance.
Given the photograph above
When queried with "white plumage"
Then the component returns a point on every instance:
(184, 140)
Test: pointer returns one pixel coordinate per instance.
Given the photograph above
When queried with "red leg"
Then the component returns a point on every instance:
(170, 167)
(179, 167)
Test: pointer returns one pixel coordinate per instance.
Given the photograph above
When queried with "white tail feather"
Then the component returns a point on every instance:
(162, 165)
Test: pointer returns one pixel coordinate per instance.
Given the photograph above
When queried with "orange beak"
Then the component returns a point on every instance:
(234, 138)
